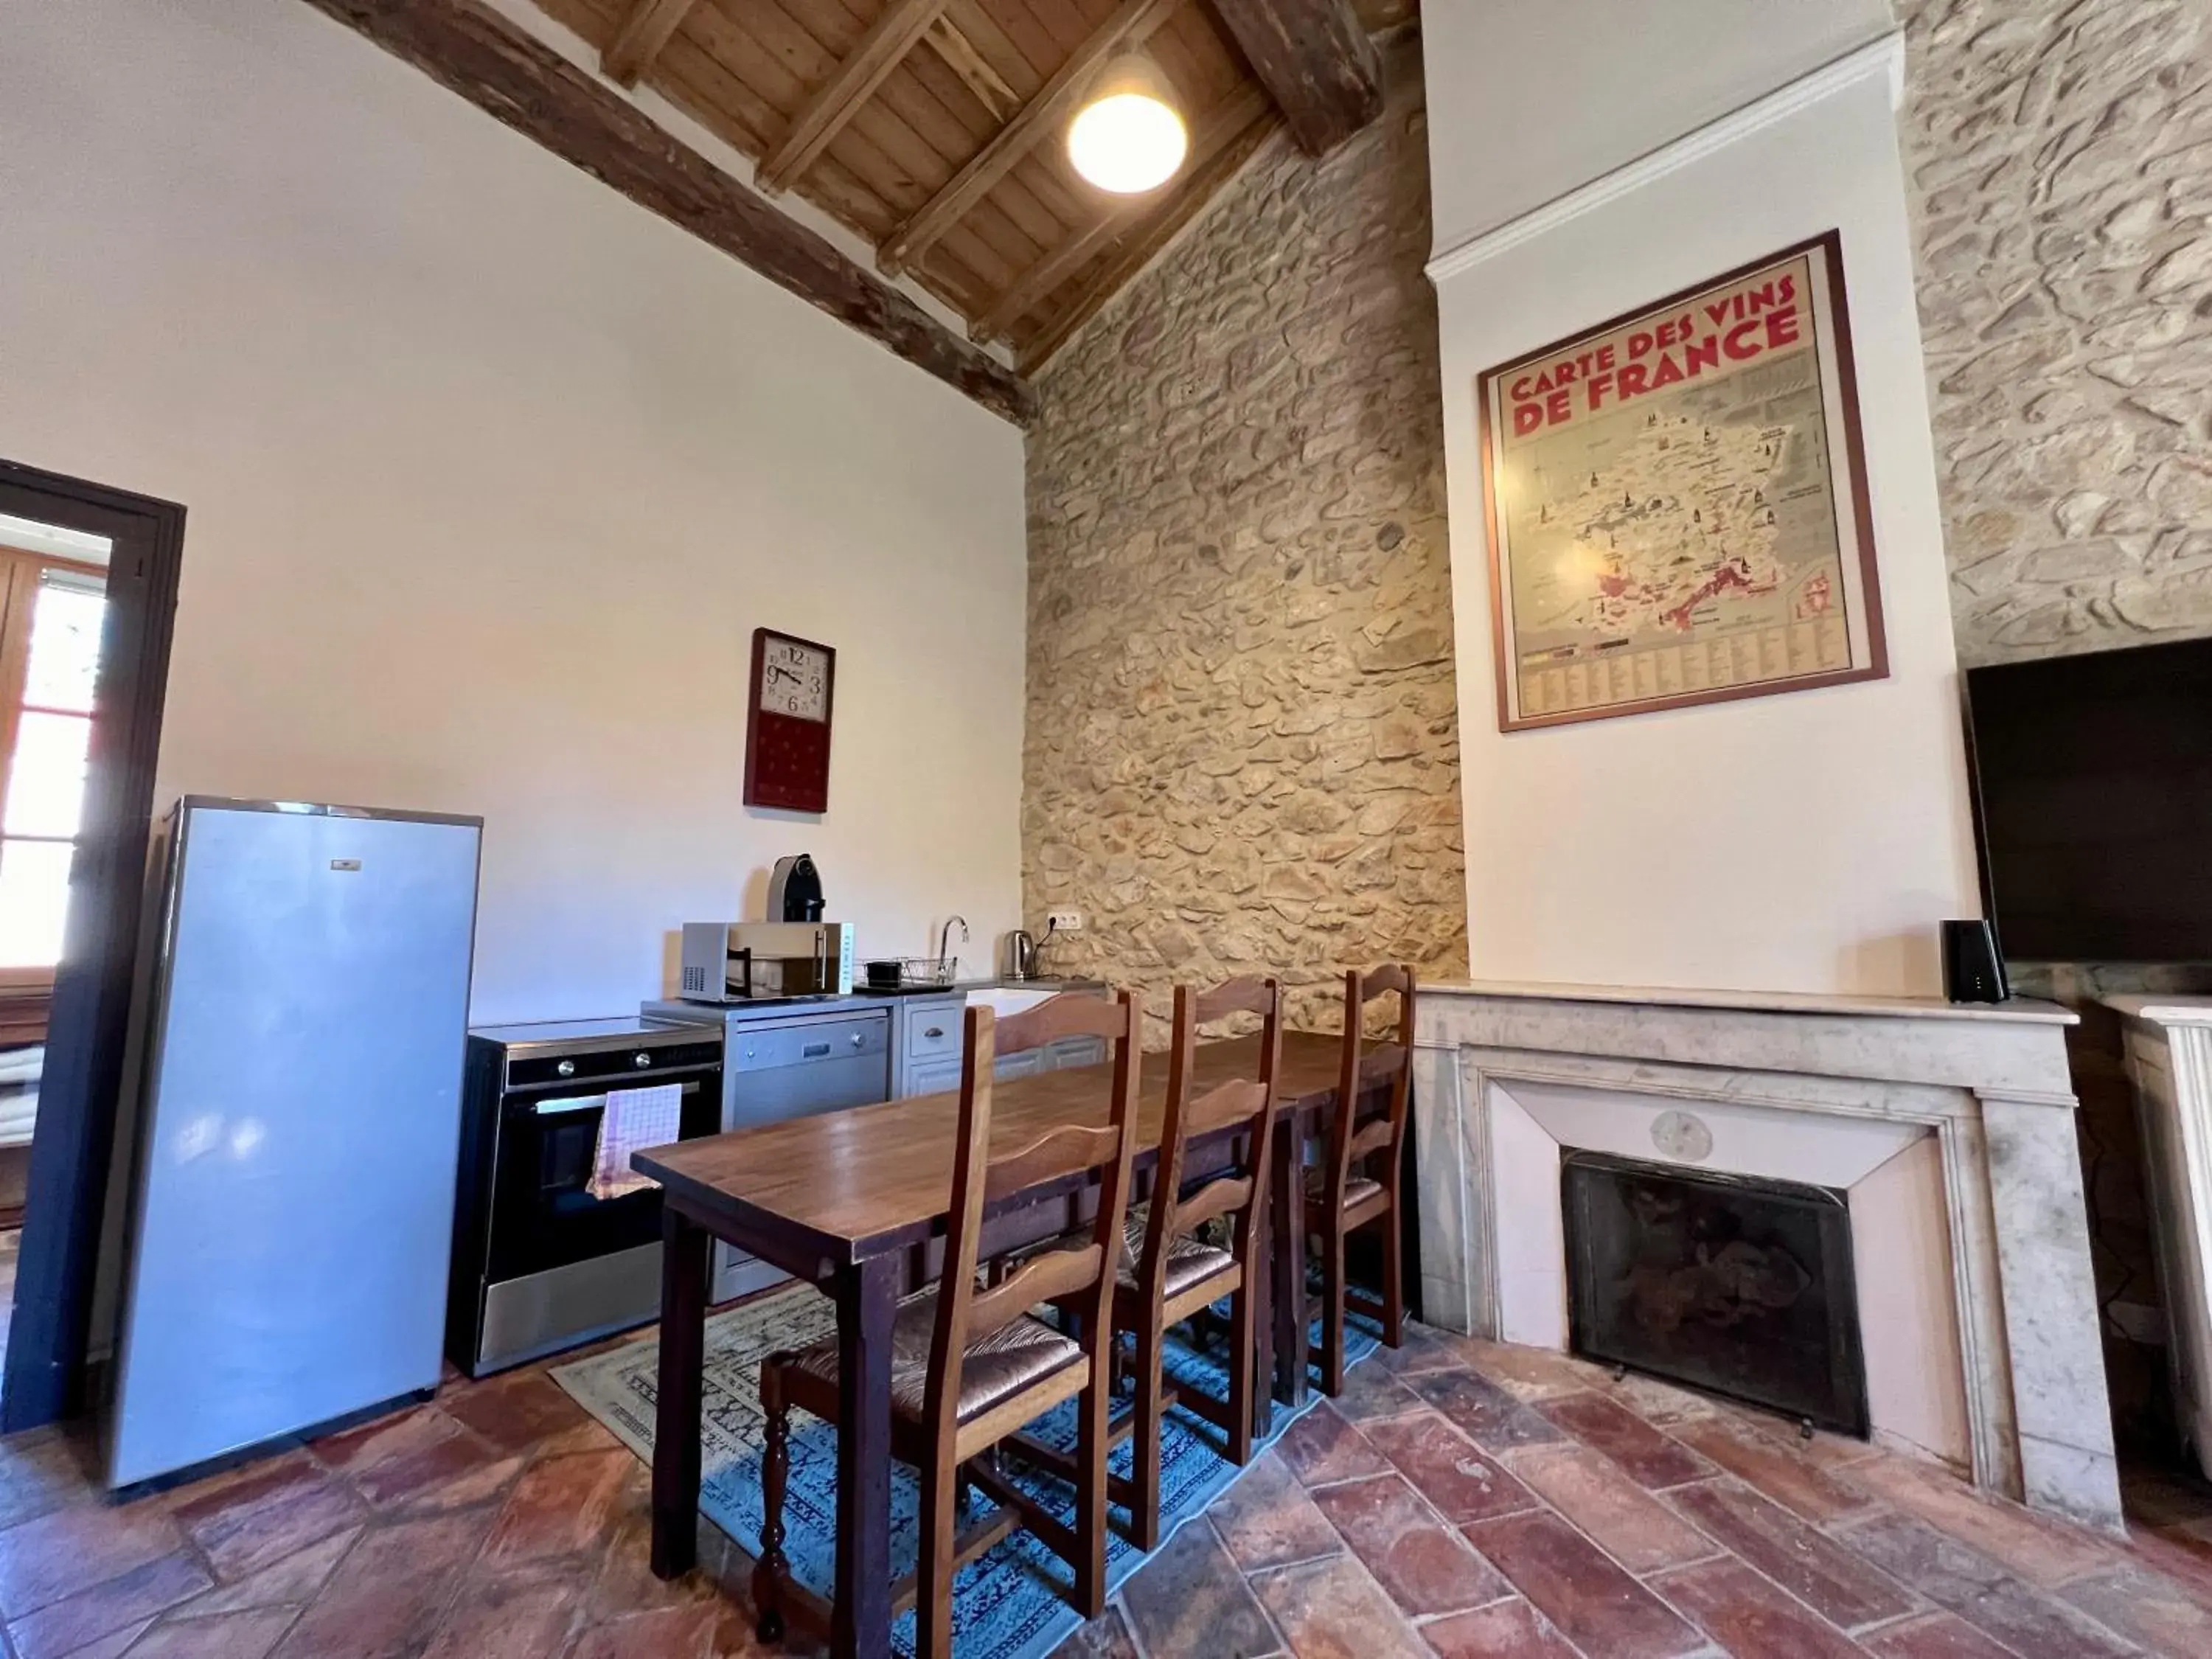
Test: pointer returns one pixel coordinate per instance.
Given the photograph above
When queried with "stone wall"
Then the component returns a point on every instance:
(2061, 153)
(1241, 751)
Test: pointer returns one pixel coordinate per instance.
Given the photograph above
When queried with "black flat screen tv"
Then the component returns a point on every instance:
(2094, 785)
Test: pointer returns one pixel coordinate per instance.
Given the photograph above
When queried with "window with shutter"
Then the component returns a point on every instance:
(51, 611)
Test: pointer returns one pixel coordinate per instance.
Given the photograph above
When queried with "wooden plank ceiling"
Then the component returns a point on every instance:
(932, 128)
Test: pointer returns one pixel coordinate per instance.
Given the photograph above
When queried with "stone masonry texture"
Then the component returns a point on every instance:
(2060, 152)
(1242, 752)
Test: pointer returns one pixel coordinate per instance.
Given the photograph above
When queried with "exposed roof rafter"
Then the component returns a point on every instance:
(650, 26)
(1223, 128)
(1316, 62)
(1184, 205)
(1132, 23)
(838, 100)
(961, 57)
(517, 78)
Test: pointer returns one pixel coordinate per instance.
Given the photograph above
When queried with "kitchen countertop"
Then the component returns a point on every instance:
(674, 1009)
(962, 987)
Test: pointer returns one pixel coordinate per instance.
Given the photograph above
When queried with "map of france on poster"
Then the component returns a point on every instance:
(1668, 510)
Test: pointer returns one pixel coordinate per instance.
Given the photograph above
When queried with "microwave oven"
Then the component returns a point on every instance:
(759, 961)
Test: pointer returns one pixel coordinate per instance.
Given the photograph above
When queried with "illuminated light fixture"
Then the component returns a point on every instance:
(1127, 137)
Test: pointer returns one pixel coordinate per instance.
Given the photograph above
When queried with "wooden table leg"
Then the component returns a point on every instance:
(676, 1423)
(1287, 1255)
(867, 1302)
(1261, 1277)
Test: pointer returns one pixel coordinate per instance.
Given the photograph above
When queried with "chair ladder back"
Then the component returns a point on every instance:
(1250, 1101)
(1068, 1014)
(1249, 995)
(965, 1313)
(1070, 1150)
(971, 1169)
(1364, 1068)
(1047, 1276)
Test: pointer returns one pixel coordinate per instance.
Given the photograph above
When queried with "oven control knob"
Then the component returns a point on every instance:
(856, 1039)
(641, 1059)
(567, 1068)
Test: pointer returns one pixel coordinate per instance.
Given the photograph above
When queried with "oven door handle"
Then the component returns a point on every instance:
(569, 1103)
(563, 1103)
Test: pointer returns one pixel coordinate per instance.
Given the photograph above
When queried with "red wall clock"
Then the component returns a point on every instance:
(787, 729)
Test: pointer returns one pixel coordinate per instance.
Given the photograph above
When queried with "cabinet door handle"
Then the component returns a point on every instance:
(934, 1031)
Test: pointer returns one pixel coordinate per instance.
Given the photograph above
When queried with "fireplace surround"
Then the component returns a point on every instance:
(1952, 1129)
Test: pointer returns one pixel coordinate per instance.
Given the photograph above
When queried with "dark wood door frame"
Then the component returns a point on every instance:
(71, 1146)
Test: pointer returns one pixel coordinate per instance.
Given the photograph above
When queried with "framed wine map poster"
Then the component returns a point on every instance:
(1677, 502)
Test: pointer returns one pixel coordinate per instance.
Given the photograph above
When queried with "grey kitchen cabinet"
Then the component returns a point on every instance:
(1028, 1063)
(1071, 1052)
(932, 1030)
(939, 1077)
(925, 1045)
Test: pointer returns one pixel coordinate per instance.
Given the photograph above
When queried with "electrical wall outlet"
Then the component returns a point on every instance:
(1065, 921)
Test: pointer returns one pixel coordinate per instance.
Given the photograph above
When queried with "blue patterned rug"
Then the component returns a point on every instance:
(1006, 1605)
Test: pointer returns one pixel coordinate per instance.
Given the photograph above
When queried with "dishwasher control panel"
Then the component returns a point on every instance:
(765, 1045)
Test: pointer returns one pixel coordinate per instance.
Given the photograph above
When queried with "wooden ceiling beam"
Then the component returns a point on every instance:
(838, 100)
(1198, 188)
(1316, 62)
(1223, 126)
(1131, 25)
(650, 26)
(515, 77)
(961, 57)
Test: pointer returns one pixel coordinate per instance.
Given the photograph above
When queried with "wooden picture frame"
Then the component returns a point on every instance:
(1594, 637)
(787, 748)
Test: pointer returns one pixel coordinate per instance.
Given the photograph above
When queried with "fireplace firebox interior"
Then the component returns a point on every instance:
(1737, 1286)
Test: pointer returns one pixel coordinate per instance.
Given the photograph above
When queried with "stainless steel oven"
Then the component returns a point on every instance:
(789, 1058)
(540, 1264)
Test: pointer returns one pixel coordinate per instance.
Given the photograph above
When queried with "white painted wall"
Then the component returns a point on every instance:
(1806, 842)
(1541, 95)
(491, 477)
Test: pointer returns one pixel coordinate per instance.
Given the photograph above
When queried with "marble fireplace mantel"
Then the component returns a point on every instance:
(1990, 1085)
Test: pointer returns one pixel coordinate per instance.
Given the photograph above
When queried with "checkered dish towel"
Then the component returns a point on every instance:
(634, 1120)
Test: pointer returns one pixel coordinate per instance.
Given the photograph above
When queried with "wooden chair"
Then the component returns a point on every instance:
(1341, 1199)
(970, 1365)
(1167, 1275)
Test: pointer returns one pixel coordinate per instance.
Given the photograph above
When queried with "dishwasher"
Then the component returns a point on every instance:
(789, 1064)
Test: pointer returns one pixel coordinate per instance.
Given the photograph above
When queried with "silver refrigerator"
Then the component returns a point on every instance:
(293, 1201)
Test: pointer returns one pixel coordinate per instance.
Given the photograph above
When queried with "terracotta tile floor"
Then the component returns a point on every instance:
(1460, 1500)
(1474, 1502)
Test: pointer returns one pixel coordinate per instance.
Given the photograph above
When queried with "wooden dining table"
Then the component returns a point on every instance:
(846, 1200)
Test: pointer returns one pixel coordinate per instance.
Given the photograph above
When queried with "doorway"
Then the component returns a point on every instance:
(53, 599)
(88, 594)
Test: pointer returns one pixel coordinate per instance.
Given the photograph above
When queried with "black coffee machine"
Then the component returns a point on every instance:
(794, 890)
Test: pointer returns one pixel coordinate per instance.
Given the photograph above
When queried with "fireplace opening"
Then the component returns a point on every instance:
(1735, 1284)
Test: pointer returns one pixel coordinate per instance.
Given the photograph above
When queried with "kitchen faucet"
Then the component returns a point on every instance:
(944, 962)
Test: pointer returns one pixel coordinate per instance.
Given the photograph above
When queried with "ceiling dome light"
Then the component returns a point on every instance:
(1127, 137)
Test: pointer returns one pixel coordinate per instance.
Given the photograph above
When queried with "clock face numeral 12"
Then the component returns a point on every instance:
(795, 680)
